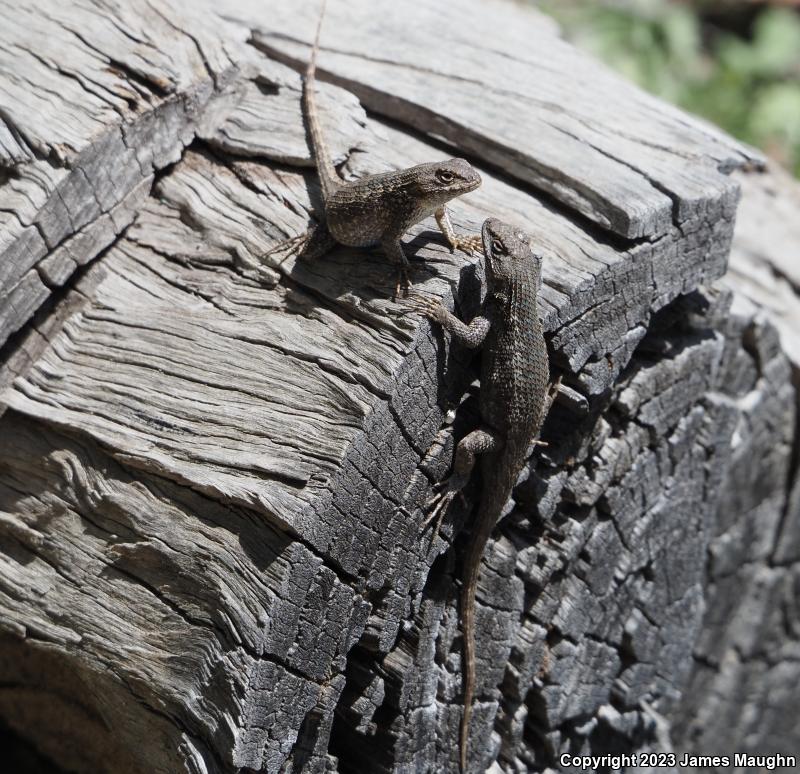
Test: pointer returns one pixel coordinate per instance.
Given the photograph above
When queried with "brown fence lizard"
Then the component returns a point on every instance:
(379, 209)
(513, 403)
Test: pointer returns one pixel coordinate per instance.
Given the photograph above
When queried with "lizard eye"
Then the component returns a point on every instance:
(445, 176)
(498, 246)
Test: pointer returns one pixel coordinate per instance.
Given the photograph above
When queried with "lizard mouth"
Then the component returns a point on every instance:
(471, 185)
(462, 186)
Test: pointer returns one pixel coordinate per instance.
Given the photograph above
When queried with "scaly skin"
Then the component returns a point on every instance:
(379, 209)
(513, 402)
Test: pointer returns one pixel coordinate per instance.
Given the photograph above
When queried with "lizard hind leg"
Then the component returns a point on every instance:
(318, 241)
(312, 243)
(477, 442)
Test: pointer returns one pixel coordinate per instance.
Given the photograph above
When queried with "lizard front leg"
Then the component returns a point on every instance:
(472, 335)
(469, 244)
(477, 442)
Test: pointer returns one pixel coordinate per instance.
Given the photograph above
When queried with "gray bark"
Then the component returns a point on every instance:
(214, 458)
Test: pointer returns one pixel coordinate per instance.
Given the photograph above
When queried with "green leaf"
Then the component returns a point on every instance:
(681, 31)
(776, 113)
(776, 43)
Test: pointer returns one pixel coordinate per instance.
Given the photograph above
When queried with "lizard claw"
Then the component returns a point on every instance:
(468, 244)
(425, 305)
(403, 284)
(296, 242)
(440, 503)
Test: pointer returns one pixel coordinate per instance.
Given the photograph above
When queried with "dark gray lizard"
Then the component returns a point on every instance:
(513, 403)
(379, 209)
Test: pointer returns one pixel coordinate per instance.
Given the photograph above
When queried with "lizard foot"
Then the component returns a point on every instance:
(437, 513)
(297, 243)
(403, 284)
(428, 306)
(468, 244)
(440, 503)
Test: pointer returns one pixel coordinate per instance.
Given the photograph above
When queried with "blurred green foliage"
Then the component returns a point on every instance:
(748, 83)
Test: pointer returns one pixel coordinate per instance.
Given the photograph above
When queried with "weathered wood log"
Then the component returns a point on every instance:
(740, 693)
(214, 457)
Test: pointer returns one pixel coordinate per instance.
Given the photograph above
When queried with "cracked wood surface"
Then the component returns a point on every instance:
(765, 259)
(204, 449)
(93, 100)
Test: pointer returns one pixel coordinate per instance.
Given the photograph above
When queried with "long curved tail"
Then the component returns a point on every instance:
(471, 570)
(322, 156)
(499, 475)
(468, 627)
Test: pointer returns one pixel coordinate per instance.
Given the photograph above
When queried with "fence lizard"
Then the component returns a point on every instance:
(513, 403)
(379, 209)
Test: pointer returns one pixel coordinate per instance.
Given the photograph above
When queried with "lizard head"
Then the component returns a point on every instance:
(443, 180)
(509, 257)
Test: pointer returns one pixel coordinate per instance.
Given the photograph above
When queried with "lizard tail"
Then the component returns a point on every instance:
(493, 498)
(470, 585)
(468, 627)
(322, 156)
